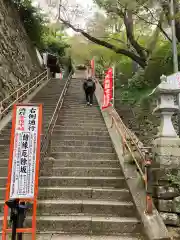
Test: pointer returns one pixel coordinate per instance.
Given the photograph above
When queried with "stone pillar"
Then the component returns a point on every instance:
(48, 73)
(166, 155)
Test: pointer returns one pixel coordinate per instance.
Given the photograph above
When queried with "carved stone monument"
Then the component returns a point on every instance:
(166, 152)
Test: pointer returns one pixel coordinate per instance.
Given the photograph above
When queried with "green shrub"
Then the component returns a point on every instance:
(160, 63)
(138, 80)
(32, 20)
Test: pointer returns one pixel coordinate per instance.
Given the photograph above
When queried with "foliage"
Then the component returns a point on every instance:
(32, 19)
(138, 80)
(135, 25)
(54, 43)
(174, 177)
(160, 63)
(44, 36)
(79, 49)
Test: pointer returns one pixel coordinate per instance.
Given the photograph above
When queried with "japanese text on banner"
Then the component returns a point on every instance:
(108, 88)
(24, 152)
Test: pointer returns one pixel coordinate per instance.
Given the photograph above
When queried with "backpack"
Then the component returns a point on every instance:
(90, 84)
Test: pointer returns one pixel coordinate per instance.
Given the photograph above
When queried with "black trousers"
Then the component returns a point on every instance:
(89, 96)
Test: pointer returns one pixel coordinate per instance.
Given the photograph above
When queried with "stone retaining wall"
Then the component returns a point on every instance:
(18, 59)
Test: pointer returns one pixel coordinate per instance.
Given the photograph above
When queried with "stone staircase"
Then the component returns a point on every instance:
(48, 96)
(82, 190)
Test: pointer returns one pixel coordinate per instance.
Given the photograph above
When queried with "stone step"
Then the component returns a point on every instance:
(48, 111)
(4, 171)
(80, 137)
(82, 116)
(81, 163)
(5, 139)
(79, 117)
(76, 171)
(72, 150)
(4, 155)
(75, 111)
(3, 181)
(88, 224)
(84, 155)
(100, 182)
(81, 128)
(85, 193)
(78, 102)
(68, 120)
(4, 143)
(81, 125)
(75, 193)
(84, 207)
(81, 132)
(87, 207)
(73, 163)
(53, 93)
(85, 224)
(48, 97)
(56, 236)
(75, 149)
(4, 162)
(79, 106)
(44, 102)
(79, 143)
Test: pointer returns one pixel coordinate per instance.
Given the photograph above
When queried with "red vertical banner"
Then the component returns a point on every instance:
(23, 168)
(108, 89)
(93, 67)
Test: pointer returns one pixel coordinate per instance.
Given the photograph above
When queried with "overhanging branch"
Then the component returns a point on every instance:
(141, 61)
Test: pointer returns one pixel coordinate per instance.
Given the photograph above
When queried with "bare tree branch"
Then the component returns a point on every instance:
(159, 25)
(141, 61)
(126, 15)
(146, 21)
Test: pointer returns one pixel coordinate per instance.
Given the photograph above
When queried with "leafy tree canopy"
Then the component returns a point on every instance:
(45, 36)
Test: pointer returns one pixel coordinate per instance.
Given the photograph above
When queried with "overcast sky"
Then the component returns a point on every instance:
(86, 5)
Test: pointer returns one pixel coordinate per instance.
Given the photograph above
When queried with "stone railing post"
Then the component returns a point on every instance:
(166, 152)
(48, 73)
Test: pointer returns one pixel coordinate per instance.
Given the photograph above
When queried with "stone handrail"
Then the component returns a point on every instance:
(21, 93)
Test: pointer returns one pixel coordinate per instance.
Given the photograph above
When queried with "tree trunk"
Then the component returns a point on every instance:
(128, 21)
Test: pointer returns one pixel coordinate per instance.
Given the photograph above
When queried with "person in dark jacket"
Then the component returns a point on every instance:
(89, 88)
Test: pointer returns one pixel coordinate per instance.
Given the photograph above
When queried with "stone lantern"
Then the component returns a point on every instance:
(166, 151)
(166, 107)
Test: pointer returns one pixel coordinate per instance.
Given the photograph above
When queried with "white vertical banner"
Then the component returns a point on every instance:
(24, 152)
